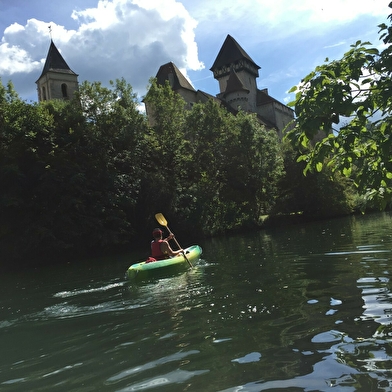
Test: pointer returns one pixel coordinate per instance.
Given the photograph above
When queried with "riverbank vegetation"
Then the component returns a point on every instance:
(89, 174)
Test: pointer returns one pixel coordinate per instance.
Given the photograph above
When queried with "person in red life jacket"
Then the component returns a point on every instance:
(160, 249)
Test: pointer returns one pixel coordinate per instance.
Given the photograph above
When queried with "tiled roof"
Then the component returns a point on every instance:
(177, 79)
(229, 53)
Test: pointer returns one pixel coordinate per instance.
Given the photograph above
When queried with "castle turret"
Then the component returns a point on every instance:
(232, 57)
(236, 94)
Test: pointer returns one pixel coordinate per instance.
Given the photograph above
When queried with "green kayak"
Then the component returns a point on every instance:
(145, 270)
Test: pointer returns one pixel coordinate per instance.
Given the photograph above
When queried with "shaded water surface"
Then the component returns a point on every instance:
(300, 308)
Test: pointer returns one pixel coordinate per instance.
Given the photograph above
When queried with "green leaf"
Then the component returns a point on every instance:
(302, 158)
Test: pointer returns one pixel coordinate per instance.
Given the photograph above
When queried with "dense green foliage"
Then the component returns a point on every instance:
(236, 168)
(69, 171)
(318, 194)
(216, 170)
(91, 173)
(356, 90)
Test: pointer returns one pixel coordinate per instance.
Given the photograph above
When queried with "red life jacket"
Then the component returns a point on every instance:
(156, 251)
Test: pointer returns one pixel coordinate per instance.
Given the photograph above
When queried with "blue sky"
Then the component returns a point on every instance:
(102, 40)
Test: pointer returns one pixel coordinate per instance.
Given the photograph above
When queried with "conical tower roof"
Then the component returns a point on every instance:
(55, 62)
(230, 53)
(234, 84)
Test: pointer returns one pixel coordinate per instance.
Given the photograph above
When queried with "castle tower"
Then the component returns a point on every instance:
(57, 80)
(232, 57)
(236, 94)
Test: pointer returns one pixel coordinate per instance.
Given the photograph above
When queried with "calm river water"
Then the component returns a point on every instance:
(298, 308)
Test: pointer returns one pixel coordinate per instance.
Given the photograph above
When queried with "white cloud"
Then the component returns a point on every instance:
(23, 51)
(17, 48)
(16, 60)
(283, 17)
(133, 38)
(14, 28)
(335, 45)
(117, 38)
(143, 24)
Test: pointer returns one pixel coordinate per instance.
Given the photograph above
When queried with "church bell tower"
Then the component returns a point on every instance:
(57, 80)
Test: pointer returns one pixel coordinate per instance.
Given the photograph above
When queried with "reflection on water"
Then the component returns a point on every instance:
(297, 308)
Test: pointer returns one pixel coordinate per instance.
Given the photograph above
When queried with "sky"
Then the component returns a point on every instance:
(103, 40)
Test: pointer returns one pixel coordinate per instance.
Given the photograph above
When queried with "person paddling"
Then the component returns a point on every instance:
(160, 249)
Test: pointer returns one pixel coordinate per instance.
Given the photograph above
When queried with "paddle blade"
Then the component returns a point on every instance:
(160, 219)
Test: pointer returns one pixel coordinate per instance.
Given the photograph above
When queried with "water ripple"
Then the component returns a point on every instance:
(75, 292)
(251, 357)
(160, 361)
(377, 299)
(175, 377)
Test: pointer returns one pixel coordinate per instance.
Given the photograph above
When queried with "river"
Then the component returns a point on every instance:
(297, 308)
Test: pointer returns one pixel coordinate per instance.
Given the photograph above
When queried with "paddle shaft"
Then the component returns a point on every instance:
(162, 221)
(179, 246)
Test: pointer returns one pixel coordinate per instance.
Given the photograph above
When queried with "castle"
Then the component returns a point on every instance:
(236, 73)
(233, 68)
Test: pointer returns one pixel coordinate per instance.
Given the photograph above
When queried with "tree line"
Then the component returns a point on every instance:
(89, 174)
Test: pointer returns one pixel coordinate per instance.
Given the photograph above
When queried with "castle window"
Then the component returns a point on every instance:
(64, 90)
(44, 93)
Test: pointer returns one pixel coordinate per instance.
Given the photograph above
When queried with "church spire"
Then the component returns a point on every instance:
(55, 61)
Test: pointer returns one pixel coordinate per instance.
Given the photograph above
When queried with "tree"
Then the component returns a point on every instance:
(166, 153)
(109, 149)
(253, 167)
(26, 147)
(116, 129)
(358, 89)
(208, 127)
(235, 167)
(70, 173)
(317, 195)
